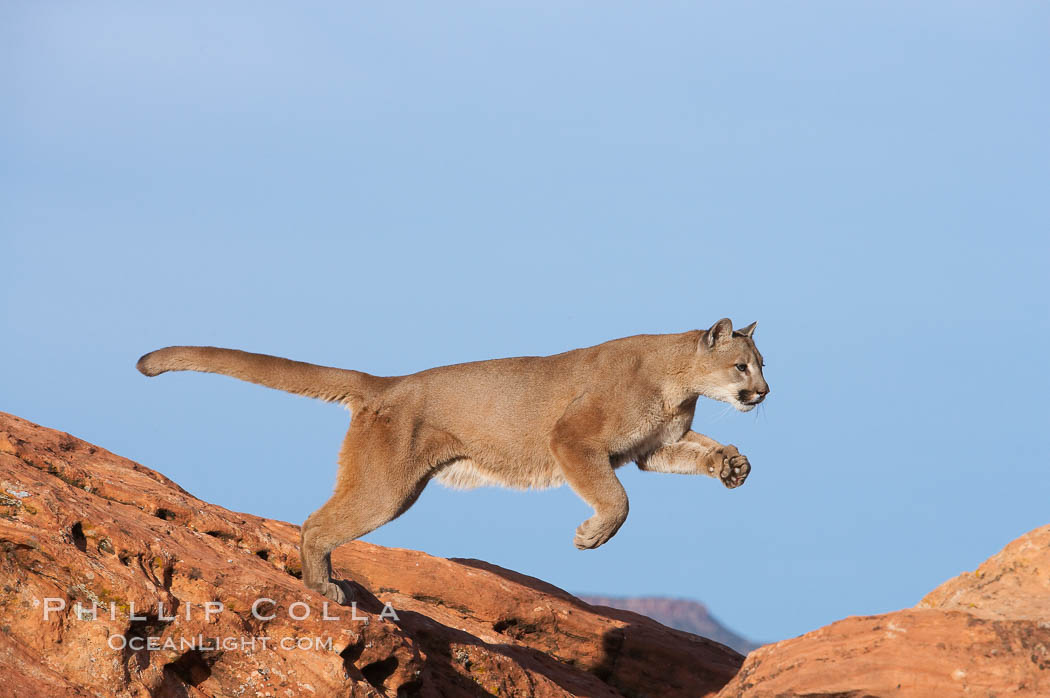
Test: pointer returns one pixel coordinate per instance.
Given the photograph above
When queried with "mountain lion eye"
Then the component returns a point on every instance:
(741, 367)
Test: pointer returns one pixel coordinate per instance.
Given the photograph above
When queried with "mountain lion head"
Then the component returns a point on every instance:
(731, 366)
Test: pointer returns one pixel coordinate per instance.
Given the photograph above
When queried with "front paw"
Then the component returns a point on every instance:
(735, 468)
(593, 532)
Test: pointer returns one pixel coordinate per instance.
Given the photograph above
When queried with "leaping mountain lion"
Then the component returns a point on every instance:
(526, 422)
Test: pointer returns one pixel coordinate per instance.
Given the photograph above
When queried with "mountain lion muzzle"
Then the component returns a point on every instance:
(526, 422)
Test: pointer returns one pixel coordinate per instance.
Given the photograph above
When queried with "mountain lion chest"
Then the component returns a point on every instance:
(668, 427)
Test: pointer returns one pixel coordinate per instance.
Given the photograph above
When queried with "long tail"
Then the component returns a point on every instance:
(322, 382)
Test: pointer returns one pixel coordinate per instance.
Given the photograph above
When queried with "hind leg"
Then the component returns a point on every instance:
(351, 512)
(380, 477)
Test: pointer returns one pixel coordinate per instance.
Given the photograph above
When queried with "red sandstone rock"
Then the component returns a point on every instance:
(78, 523)
(1012, 584)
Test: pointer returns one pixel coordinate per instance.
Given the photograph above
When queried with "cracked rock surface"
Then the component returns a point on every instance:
(148, 564)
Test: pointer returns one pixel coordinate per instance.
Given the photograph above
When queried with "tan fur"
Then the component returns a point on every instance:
(527, 422)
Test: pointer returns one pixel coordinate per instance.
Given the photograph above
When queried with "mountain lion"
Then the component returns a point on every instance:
(527, 422)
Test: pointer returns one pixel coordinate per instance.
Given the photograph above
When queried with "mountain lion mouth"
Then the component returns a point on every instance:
(750, 398)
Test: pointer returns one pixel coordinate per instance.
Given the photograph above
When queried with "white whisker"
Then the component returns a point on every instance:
(721, 415)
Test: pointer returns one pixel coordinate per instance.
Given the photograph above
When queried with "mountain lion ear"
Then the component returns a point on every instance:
(749, 330)
(719, 332)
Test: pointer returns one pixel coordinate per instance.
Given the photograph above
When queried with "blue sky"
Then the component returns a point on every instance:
(390, 188)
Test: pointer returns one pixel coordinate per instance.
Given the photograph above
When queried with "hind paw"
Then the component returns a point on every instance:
(337, 591)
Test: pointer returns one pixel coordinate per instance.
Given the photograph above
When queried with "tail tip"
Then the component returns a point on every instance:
(144, 366)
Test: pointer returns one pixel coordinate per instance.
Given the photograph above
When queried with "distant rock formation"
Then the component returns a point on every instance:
(680, 614)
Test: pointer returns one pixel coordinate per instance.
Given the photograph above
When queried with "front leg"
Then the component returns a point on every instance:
(696, 454)
(587, 469)
(592, 478)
